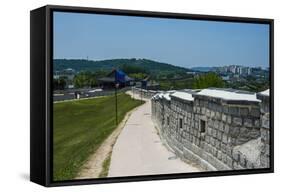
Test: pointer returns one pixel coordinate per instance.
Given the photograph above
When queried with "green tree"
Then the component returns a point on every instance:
(138, 76)
(87, 79)
(131, 69)
(207, 80)
(59, 83)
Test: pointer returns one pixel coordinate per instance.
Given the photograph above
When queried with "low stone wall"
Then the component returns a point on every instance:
(215, 133)
(147, 94)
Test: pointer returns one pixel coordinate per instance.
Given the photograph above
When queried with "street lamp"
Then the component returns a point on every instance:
(116, 107)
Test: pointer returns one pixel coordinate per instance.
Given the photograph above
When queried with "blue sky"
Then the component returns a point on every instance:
(186, 43)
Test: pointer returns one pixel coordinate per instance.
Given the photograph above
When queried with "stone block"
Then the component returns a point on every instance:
(203, 110)
(257, 123)
(224, 158)
(214, 133)
(235, 155)
(256, 165)
(212, 114)
(190, 138)
(193, 139)
(219, 155)
(196, 102)
(207, 138)
(206, 148)
(210, 123)
(229, 150)
(226, 128)
(198, 109)
(194, 109)
(216, 124)
(248, 122)
(244, 111)
(223, 147)
(195, 133)
(232, 141)
(218, 144)
(235, 165)
(249, 165)
(251, 133)
(267, 149)
(242, 159)
(265, 161)
(221, 126)
(265, 121)
(219, 135)
(223, 117)
(229, 119)
(212, 141)
(196, 125)
(208, 113)
(209, 131)
(198, 142)
(224, 138)
(229, 161)
(218, 115)
(237, 121)
(214, 152)
(233, 111)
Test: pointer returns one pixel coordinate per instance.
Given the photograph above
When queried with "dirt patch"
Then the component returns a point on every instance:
(94, 165)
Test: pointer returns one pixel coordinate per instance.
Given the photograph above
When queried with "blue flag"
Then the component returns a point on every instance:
(120, 76)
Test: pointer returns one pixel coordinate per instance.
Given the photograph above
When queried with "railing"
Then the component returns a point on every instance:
(70, 95)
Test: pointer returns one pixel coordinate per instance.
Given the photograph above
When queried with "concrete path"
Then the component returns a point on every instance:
(139, 151)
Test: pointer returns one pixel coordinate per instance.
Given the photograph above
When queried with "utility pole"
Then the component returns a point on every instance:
(116, 110)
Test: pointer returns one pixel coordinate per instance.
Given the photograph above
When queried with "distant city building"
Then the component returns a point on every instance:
(236, 70)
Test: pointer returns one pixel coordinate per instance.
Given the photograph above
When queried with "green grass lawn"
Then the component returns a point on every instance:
(80, 127)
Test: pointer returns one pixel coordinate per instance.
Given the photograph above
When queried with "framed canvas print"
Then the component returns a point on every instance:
(122, 95)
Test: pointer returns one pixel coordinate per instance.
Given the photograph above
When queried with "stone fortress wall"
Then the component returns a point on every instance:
(265, 127)
(218, 129)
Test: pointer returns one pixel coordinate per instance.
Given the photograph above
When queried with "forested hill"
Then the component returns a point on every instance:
(106, 65)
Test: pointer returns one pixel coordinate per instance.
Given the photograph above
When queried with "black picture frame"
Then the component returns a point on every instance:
(41, 54)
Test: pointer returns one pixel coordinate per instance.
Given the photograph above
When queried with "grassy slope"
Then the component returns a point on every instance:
(79, 129)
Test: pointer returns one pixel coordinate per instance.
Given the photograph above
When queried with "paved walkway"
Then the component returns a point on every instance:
(139, 151)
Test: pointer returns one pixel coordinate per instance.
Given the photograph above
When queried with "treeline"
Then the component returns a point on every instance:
(88, 79)
(149, 66)
(193, 82)
(80, 80)
(135, 72)
(168, 81)
(60, 83)
(208, 80)
(250, 84)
